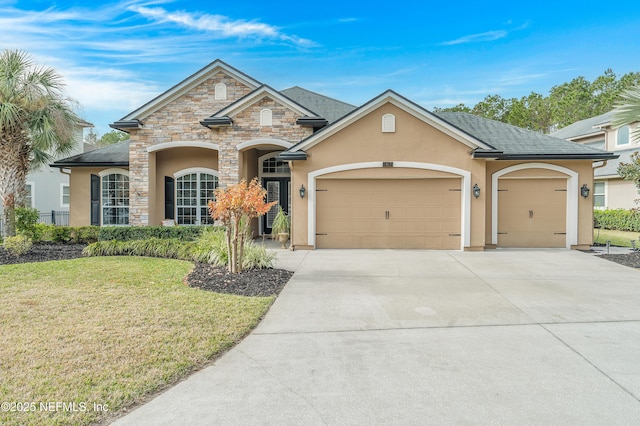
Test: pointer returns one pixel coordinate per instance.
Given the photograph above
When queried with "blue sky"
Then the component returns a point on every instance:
(115, 56)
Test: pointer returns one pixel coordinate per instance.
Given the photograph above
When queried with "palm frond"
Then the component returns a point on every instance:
(627, 109)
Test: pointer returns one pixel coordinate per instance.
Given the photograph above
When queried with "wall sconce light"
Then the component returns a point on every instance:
(476, 190)
(303, 191)
(584, 191)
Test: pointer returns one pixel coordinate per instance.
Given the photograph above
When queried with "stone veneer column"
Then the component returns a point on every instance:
(228, 163)
(138, 184)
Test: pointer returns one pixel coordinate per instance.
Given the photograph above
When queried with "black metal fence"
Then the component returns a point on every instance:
(54, 218)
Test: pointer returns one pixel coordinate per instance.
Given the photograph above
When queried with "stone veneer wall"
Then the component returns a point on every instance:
(179, 120)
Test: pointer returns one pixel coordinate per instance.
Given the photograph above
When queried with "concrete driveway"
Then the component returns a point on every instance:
(423, 337)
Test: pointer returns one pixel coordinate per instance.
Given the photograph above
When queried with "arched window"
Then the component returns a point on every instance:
(220, 92)
(194, 189)
(623, 136)
(115, 198)
(271, 165)
(266, 117)
(388, 123)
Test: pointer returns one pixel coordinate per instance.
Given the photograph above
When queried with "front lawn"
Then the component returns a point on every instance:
(617, 238)
(83, 338)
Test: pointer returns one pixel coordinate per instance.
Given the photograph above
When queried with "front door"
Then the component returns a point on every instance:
(278, 189)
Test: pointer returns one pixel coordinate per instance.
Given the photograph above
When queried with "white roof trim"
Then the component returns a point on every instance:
(391, 97)
(257, 95)
(186, 85)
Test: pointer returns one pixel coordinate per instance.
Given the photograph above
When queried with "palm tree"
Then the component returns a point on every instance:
(627, 109)
(36, 123)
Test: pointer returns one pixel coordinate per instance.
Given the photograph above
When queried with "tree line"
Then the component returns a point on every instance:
(565, 104)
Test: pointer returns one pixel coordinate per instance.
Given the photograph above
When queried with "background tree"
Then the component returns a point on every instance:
(565, 104)
(36, 123)
(113, 137)
(234, 207)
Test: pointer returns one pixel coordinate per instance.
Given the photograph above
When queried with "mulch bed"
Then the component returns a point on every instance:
(253, 282)
(631, 260)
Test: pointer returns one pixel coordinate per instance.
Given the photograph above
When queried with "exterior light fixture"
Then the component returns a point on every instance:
(303, 191)
(476, 190)
(584, 191)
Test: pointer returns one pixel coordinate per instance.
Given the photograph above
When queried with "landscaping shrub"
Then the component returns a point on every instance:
(619, 219)
(26, 221)
(127, 233)
(18, 245)
(60, 234)
(210, 248)
(85, 234)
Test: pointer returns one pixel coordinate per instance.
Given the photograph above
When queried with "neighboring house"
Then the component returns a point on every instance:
(47, 189)
(610, 190)
(388, 174)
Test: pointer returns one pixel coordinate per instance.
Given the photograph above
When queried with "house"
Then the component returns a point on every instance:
(47, 189)
(610, 191)
(387, 174)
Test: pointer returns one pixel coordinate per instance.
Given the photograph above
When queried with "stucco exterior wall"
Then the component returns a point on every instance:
(80, 194)
(620, 194)
(363, 141)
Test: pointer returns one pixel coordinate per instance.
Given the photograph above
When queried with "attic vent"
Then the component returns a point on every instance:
(388, 123)
(266, 117)
(220, 92)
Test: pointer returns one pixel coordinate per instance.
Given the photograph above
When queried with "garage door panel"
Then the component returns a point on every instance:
(532, 213)
(409, 213)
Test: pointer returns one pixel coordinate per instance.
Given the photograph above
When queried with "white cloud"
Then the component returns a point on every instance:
(477, 38)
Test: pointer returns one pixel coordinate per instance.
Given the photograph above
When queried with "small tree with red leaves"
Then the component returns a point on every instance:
(234, 207)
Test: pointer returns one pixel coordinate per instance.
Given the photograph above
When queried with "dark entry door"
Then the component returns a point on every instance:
(278, 189)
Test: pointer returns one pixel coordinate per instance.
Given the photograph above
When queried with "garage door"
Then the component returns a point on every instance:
(532, 212)
(394, 213)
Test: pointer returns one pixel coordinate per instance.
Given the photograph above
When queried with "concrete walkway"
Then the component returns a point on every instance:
(422, 337)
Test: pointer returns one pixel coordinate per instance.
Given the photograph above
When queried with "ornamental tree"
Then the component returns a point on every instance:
(234, 207)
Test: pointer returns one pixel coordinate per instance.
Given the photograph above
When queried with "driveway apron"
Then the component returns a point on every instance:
(428, 337)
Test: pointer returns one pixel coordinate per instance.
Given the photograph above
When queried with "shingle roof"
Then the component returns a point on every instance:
(112, 155)
(515, 141)
(326, 107)
(583, 127)
(611, 168)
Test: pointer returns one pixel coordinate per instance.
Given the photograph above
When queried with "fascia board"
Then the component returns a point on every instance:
(244, 103)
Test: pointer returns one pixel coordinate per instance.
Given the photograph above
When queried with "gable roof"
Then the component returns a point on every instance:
(324, 106)
(587, 127)
(179, 89)
(514, 142)
(296, 152)
(116, 155)
(256, 95)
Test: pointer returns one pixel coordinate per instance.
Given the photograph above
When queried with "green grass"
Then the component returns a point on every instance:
(107, 330)
(617, 238)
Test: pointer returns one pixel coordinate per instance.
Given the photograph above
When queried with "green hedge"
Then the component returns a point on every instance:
(619, 219)
(128, 233)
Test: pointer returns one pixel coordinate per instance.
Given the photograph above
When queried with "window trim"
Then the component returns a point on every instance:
(388, 123)
(628, 136)
(62, 203)
(32, 185)
(181, 173)
(604, 194)
(108, 172)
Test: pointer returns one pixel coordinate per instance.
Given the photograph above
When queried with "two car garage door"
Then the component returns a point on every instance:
(388, 213)
(426, 213)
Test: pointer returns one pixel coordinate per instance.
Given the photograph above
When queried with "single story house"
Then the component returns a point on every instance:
(610, 191)
(387, 174)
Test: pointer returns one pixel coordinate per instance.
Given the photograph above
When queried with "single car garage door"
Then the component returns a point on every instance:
(532, 212)
(391, 213)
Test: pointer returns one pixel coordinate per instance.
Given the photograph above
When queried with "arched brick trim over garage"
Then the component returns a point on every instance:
(465, 193)
(572, 198)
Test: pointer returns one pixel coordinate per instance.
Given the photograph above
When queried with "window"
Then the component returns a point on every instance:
(599, 194)
(64, 195)
(388, 123)
(220, 92)
(29, 195)
(623, 136)
(115, 199)
(193, 192)
(266, 117)
(271, 165)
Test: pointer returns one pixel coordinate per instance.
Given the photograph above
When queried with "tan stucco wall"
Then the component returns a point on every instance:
(80, 194)
(621, 194)
(585, 205)
(611, 136)
(171, 161)
(363, 141)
